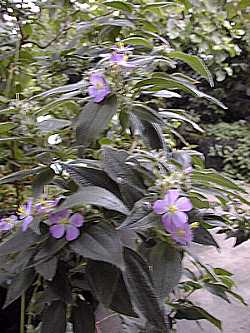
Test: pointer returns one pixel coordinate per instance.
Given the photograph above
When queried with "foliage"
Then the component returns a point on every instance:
(234, 150)
(87, 134)
(217, 30)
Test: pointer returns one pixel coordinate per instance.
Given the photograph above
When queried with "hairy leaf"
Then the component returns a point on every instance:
(97, 196)
(142, 289)
(99, 242)
(166, 268)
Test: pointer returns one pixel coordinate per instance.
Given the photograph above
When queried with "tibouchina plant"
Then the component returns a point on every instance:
(98, 241)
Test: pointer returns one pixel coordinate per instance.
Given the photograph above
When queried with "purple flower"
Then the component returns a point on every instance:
(99, 88)
(8, 223)
(121, 60)
(63, 223)
(45, 206)
(173, 209)
(25, 214)
(182, 235)
(188, 170)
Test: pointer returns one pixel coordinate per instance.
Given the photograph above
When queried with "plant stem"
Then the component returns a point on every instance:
(22, 316)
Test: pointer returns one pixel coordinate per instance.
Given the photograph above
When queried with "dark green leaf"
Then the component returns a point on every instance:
(108, 285)
(138, 41)
(63, 89)
(48, 268)
(166, 268)
(203, 236)
(49, 249)
(97, 196)
(53, 124)
(148, 221)
(120, 5)
(43, 178)
(60, 285)
(100, 242)
(88, 176)
(20, 175)
(83, 318)
(19, 242)
(195, 63)
(142, 291)
(54, 318)
(211, 177)
(115, 163)
(144, 112)
(94, 119)
(19, 285)
(192, 312)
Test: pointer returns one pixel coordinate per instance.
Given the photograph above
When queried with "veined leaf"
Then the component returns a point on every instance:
(120, 5)
(100, 242)
(19, 285)
(94, 119)
(53, 124)
(94, 195)
(62, 89)
(137, 41)
(43, 178)
(83, 317)
(195, 63)
(192, 312)
(166, 268)
(54, 318)
(142, 290)
(20, 175)
(177, 116)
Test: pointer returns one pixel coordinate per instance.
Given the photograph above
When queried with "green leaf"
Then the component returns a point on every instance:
(174, 115)
(140, 41)
(120, 5)
(54, 318)
(195, 63)
(60, 285)
(166, 268)
(211, 177)
(19, 285)
(97, 196)
(53, 124)
(19, 242)
(42, 179)
(63, 89)
(192, 312)
(6, 127)
(103, 278)
(203, 236)
(144, 112)
(108, 285)
(164, 83)
(142, 291)
(20, 175)
(47, 269)
(88, 176)
(148, 221)
(94, 119)
(116, 165)
(100, 242)
(49, 249)
(83, 317)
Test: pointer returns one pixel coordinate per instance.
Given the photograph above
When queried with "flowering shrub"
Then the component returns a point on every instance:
(114, 207)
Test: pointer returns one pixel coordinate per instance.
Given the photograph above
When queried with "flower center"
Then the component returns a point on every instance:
(172, 209)
(64, 221)
(180, 233)
(99, 85)
(22, 211)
